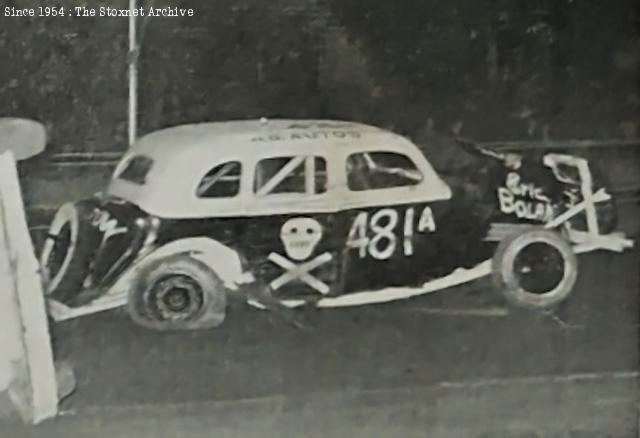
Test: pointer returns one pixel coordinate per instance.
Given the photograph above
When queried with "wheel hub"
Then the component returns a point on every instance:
(175, 298)
(539, 267)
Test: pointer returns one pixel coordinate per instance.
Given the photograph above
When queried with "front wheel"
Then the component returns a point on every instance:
(177, 292)
(536, 268)
(66, 256)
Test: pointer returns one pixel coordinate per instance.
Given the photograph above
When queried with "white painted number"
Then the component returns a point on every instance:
(358, 235)
(383, 223)
(383, 243)
(408, 231)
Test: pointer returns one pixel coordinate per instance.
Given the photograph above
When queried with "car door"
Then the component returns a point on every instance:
(391, 221)
(289, 235)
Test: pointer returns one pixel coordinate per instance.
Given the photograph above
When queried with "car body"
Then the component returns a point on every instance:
(315, 211)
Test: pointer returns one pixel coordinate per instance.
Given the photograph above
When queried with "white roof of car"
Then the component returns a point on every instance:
(247, 137)
(182, 155)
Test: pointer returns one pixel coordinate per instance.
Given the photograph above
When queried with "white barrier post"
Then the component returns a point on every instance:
(133, 75)
(26, 357)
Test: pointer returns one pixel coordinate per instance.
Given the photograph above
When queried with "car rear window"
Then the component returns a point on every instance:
(381, 170)
(136, 170)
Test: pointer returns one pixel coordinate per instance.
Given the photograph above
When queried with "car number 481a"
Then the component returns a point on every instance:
(376, 235)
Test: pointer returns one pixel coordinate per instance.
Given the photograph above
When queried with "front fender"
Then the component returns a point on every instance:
(223, 260)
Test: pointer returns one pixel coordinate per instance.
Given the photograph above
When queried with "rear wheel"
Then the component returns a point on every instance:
(177, 292)
(535, 268)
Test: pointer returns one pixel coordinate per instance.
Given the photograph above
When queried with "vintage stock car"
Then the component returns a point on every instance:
(317, 213)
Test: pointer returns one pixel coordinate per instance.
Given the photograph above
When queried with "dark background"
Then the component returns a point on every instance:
(505, 69)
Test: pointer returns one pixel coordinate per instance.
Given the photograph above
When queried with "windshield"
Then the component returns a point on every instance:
(136, 170)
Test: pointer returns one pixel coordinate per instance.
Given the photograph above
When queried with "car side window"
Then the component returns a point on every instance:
(381, 170)
(291, 174)
(222, 181)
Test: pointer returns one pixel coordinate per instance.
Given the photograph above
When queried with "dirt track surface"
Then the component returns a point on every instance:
(458, 363)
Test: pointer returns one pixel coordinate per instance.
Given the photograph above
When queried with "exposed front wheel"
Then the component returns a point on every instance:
(535, 268)
(177, 292)
(67, 252)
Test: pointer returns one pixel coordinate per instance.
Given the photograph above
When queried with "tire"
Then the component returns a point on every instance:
(535, 268)
(177, 293)
(67, 252)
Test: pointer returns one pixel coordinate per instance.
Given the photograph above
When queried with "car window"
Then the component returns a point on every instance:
(136, 170)
(381, 170)
(291, 174)
(223, 181)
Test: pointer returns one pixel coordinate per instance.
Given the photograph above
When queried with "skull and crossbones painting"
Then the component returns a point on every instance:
(300, 236)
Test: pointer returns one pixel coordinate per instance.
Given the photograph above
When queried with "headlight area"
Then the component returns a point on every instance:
(147, 230)
(144, 235)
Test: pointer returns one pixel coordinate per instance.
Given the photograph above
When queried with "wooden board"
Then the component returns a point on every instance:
(34, 385)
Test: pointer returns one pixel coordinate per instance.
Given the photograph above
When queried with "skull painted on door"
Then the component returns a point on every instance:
(300, 236)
